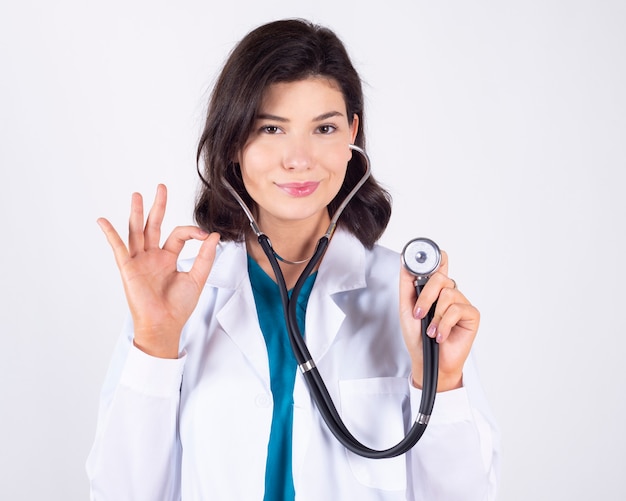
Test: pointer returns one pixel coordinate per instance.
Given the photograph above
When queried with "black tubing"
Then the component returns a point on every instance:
(317, 387)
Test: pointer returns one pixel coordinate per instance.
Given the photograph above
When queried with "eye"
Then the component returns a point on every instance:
(270, 129)
(326, 129)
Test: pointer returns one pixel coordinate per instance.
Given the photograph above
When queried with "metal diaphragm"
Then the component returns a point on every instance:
(421, 256)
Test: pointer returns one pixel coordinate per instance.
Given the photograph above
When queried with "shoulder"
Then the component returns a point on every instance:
(353, 266)
(381, 255)
(382, 267)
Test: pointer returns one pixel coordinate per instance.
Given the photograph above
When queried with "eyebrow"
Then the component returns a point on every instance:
(319, 118)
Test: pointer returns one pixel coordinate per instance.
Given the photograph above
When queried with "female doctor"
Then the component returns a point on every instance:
(203, 399)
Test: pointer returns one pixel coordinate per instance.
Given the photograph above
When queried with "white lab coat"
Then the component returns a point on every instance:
(197, 428)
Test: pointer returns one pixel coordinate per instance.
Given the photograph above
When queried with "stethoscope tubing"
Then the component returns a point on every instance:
(317, 388)
(315, 382)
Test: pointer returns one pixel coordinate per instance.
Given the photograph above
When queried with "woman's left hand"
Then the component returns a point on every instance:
(454, 325)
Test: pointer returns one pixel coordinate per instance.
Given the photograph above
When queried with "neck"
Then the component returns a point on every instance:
(293, 243)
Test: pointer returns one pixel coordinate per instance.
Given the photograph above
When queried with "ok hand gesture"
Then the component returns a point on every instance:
(160, 297)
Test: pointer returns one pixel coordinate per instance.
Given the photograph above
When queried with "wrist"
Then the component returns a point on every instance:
(160, 345)
(445, 382)
(449, 382)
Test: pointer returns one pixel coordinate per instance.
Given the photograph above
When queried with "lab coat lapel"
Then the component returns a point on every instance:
(342, 270)
(238, 315)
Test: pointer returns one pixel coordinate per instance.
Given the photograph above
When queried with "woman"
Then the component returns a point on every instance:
(203, 399)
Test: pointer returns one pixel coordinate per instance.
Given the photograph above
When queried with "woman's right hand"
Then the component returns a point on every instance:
(161, 298)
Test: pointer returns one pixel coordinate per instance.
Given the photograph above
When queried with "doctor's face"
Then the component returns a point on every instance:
(295, 159)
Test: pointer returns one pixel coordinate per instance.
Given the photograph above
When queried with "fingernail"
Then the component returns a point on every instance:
(430, 332)
(418, 313)
(439, 338)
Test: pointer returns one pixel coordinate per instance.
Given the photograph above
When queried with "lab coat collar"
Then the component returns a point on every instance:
(342, 267)
(342, 270)
(237, 315)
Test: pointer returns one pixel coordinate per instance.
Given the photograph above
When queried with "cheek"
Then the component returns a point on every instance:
(340, 161)
(339, 178)
(250, 182)
(251, 162)
(347, 153)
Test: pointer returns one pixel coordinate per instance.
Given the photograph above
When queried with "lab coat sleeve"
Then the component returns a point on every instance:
(459, 452)
(136, 452)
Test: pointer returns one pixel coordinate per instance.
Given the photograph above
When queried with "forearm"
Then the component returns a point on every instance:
(136, 452)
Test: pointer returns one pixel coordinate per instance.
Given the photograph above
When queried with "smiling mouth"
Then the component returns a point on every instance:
(299, 189)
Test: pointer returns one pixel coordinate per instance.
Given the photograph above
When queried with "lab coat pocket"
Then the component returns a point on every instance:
(375, 411)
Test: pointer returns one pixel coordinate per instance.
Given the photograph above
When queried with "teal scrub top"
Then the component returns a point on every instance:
(283, 366)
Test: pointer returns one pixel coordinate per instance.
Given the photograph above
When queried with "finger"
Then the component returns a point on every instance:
(181, 234)
(408, 295)
(152, 233)
(135, 225)
(117, 244)
(443, 266)
(431, 292)
(204, 260)
(458, 315)
(446, 312)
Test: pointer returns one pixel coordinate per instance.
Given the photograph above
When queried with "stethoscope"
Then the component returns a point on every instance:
(421, 257)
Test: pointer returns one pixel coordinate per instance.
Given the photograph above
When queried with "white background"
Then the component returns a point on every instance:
(499, 128)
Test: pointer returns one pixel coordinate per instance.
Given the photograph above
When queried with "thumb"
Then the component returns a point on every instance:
(408, 295)
(204, 260)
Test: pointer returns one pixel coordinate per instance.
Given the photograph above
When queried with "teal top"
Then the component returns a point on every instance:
(283, 366)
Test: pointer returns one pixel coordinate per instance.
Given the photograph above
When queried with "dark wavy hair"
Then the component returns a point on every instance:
(280, 51)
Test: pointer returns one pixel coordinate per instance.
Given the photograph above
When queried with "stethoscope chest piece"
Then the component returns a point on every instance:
(421, 256)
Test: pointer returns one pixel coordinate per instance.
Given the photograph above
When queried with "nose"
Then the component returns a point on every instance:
(298, 154)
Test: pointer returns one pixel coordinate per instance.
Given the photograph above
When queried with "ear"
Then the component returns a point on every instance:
(354, 128)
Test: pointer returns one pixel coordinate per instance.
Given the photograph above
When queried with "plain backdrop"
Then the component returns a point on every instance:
(498, 127)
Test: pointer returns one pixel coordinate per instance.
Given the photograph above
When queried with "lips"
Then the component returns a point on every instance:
(299, 189)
